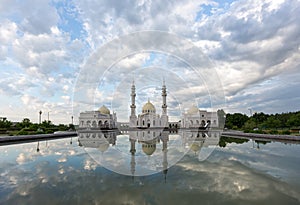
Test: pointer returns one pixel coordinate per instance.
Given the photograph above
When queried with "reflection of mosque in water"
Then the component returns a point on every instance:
(196, 140)
(99, 140)
(148, 141)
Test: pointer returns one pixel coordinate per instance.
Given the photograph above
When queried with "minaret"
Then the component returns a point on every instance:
(164, 116)
(164, 96)
(133, 118)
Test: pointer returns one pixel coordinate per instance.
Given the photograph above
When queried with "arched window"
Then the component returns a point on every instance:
(202, 122)
(143, 122)
(153, 122)
(191, 122)
(88, 123)
(197, 122)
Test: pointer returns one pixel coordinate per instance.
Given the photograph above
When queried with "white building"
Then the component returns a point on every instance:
(195, 118)
(99, 119)
(148, 118)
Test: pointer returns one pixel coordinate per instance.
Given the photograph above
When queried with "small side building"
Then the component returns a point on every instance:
(195, 118)
(99, 119)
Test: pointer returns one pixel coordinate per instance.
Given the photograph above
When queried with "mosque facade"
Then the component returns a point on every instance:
(195, 118)
(148, 118)
(99, 119)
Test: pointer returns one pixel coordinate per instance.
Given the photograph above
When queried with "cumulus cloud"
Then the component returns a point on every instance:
(44, 49)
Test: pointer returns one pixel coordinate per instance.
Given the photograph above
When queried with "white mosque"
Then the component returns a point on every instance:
(148, 118)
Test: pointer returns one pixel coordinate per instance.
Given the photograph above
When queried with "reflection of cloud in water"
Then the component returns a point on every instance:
(61, 171)
(90, 164)
(21, 158)
(233, 179)
(80, 180)
(226, 182)
(62, 159)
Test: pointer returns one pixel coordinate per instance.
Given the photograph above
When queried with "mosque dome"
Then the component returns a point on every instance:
(193, 110)
(148, 149)
(103, 146)
(195, 147)
(104, 110)
(148, 108)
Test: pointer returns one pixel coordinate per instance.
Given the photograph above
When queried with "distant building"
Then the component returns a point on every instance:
(99, 119)
(195, 118)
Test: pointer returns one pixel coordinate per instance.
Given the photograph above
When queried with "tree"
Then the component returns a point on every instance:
(235, 120)
(4, 123)
(25, 123)
(250, 124)
(293, 121)
(46, 124)
(272, 122)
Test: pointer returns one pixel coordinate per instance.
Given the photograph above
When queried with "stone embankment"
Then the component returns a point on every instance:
(261, 136)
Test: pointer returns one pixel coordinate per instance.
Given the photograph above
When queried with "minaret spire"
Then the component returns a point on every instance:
(164, 97)
(164, 115)
(133, 117)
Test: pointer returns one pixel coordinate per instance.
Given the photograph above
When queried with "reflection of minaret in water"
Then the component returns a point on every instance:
(132, 151)
(165, 157)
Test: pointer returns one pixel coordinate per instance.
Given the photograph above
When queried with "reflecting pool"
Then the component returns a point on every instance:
(148, 167)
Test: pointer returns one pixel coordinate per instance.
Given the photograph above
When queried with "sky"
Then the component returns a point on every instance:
(61, 57)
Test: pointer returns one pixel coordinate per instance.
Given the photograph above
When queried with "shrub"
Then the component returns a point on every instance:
(22, 132)
(286, 132)
(273, 132)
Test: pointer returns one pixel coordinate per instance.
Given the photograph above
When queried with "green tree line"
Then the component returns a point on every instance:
(27, 127)
(260, 121)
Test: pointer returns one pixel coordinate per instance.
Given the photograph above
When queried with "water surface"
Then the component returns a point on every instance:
(62, 172)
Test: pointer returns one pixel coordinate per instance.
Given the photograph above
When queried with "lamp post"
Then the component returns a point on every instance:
(48, 116)
(40, 118)
(72, 119)
(250, 110)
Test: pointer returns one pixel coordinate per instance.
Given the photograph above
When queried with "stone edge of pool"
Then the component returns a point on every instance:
(261, 136)
(22, 138)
